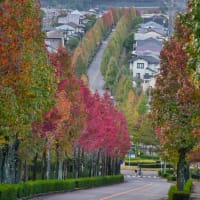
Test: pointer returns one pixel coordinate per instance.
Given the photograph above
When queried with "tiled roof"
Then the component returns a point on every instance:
(65, 27)
(158, 19)
(149, 59)
(152, 26)
(149, 44)
(54, 34)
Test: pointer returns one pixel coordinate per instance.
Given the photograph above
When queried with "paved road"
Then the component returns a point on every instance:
(96, 81)
(148, 187)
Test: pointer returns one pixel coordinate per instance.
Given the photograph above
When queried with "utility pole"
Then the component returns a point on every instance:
(171, 13)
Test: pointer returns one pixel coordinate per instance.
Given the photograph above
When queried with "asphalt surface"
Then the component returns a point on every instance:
(96, 81)
(146, 187)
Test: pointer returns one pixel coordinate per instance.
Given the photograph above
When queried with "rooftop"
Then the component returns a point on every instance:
(149, 59)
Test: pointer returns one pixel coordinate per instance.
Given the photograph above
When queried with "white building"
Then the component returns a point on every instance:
(69, 30)
(53, 40)
(75, 17)
(145, 68)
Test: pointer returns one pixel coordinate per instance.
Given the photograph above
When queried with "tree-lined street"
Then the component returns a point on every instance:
(148, 187)
(61, 132)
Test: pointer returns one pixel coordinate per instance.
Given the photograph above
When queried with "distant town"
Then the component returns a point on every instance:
(66, 27)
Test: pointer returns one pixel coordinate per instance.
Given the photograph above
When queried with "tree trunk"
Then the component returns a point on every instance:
(26, 169)
(65, 168)
(48, 164)
(60, 170)
(10, 167)
(97, 163)
(35, 167)
(75, 170)
(78, 162)
(2, 163)
(187, 171)
(44, 163)
(82, 162)
(57, 161)
(90, 165)
(103, 169)
(109, 165)
(19, 172)
(181, 169)
(117, 166)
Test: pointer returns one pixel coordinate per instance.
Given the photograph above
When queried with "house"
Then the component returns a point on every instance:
(149, 46)
(77, 28)
(153, 26)
(151, 34)
(50, 17)
(157, 18)
(75, 17)
(54, 39)
(145, 68)
(68, 29)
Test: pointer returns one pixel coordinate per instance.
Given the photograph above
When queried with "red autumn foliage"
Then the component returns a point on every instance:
(105, 126)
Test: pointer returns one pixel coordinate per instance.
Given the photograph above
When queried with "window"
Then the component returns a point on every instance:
(138, 75)
(140, 65)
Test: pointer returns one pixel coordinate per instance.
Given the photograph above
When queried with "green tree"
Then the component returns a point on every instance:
(128, 43)
(175, 103)
(111, 73)
(26, 81)
(91, 21)
(72, 43)
(142, 105)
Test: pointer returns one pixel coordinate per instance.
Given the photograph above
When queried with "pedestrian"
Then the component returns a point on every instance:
(139, 170)
(135, 171)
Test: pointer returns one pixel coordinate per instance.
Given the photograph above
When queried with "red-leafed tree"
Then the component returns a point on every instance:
(175, 103)
(105, 130)
(64, 121)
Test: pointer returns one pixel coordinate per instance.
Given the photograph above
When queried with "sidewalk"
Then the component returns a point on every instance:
(195, 195)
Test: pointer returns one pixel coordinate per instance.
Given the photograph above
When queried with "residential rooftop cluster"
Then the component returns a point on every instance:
(61, 25)
(145, 62)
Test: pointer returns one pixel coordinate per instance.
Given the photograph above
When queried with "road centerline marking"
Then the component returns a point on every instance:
(126, 192)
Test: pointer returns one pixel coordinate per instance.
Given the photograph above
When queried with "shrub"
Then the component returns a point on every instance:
(31, 188)
(97, 181)
(171, 178)
(169, 174)
(150, 157)
(179, 195)
(174, 194)
(8, 192)
(188, 186)
(171, 191)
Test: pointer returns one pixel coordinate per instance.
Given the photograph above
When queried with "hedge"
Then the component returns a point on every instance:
(98, 181)
(174, 194)
(171, 192)
(195, 176)
(146, 165)
(181, 195)
(34, 188)
(169, 174)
